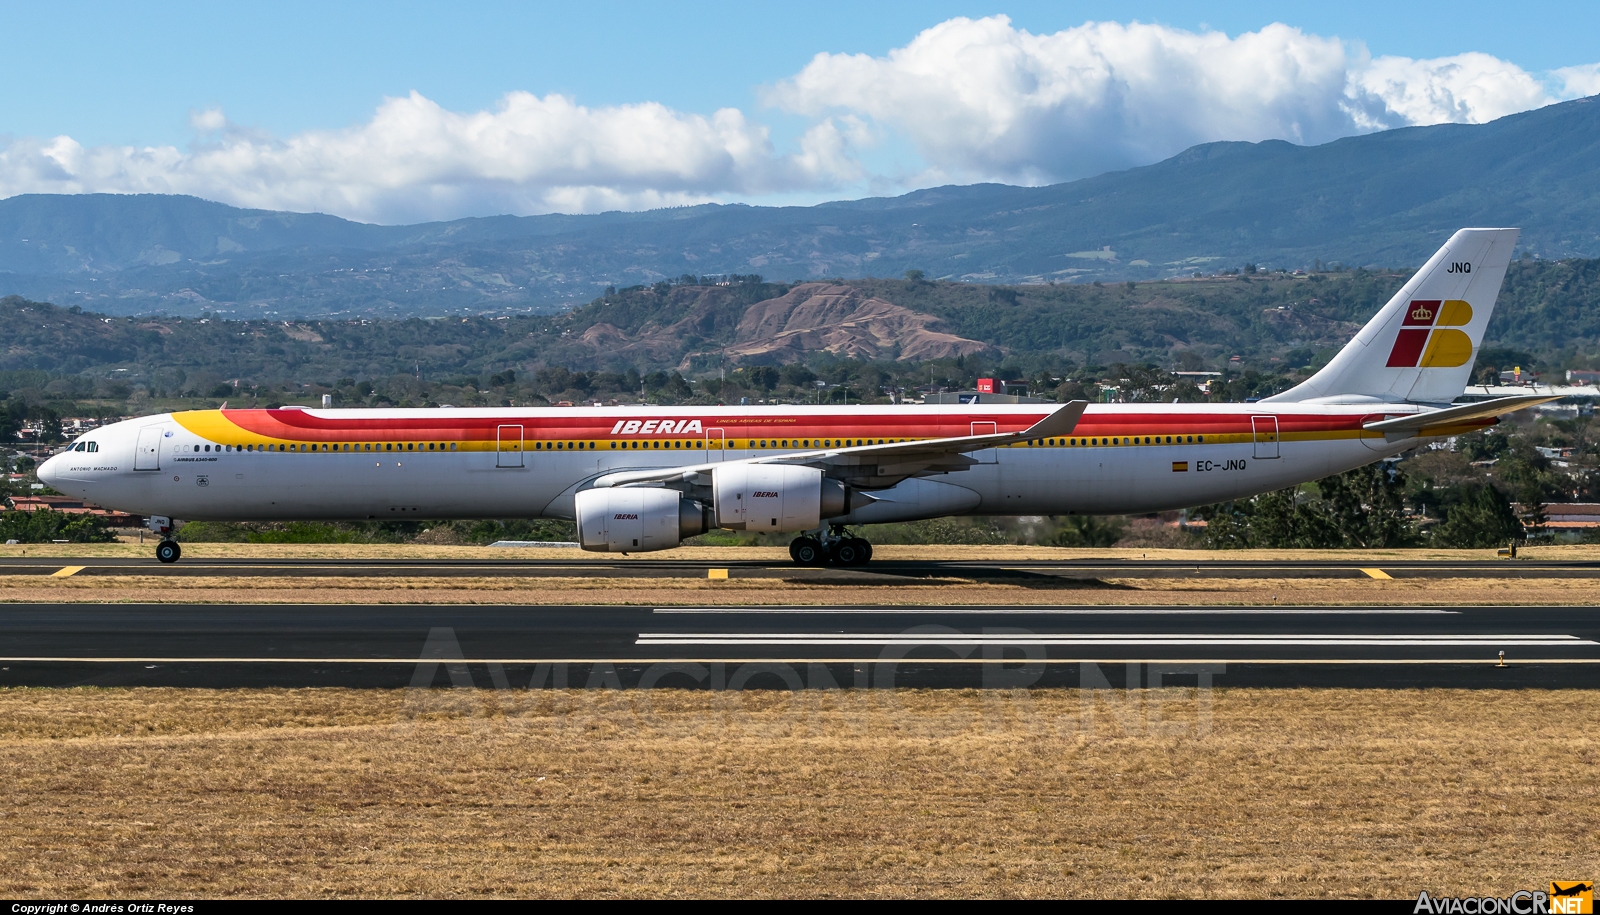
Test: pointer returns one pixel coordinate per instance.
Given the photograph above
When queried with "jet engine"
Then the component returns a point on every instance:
(624, 520)
(776, 497)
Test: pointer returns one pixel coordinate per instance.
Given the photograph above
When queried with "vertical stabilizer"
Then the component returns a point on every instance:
(1420, 347)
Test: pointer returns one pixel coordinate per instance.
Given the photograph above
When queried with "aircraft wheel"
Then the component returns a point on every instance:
(807, 551)
(168, 551)
(866, 551)
(849, 552)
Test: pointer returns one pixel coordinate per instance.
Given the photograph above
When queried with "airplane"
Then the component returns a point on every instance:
(639, 479)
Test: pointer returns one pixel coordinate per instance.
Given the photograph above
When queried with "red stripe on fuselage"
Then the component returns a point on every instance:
(300, 425)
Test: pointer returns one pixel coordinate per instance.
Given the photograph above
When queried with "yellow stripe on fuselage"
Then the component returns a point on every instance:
(212, 426)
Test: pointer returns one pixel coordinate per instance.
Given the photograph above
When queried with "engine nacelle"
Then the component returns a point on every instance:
(775, 497)
(624, 520)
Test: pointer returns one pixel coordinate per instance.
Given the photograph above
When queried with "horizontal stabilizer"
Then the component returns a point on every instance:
(1450, 416)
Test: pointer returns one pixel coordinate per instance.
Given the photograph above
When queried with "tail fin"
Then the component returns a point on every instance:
(1420, 347)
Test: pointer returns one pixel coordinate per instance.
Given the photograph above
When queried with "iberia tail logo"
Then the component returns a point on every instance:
(1428, 337)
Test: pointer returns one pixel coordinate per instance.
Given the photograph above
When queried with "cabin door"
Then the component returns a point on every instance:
(508, 446)
(147, 453)
(1266, 436)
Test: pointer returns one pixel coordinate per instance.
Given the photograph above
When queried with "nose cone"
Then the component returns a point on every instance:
(50, 471)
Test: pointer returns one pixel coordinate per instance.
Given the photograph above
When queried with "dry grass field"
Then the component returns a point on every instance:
(1237, 793)
(948, 591)
(140, 793)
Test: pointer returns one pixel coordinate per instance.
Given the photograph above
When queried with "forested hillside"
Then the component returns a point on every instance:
(1549, 315)
(1388, 198)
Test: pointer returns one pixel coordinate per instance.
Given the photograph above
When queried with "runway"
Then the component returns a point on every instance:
(879, 571)
(794, 647)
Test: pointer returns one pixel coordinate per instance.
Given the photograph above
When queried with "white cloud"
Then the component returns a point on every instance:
(976, 99)
(1579, 82)
(982, 99)
(208, 121)
(416, 160)
(1464, 89)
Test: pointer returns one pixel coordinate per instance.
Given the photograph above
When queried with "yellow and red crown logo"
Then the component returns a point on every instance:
(1428, 337)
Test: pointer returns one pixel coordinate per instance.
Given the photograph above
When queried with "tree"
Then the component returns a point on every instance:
(764, 377)
(45, 525)
(1089, 531)
(798, 375)
(915, 276)
(1483, 518)
(1364, 508)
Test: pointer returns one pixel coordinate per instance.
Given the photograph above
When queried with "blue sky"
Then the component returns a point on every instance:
(114, 75)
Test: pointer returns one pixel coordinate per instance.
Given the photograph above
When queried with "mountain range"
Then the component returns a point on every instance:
(1383, 199)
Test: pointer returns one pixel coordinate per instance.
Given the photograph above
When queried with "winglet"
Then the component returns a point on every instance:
(1059, 423)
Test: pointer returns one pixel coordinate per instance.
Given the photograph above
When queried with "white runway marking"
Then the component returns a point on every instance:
(1083, 639)
(690, 659)
(1062, 611)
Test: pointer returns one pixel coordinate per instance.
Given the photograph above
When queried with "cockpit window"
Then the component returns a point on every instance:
(85, 446)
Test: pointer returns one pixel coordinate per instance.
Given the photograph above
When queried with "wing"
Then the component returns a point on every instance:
(877, 466)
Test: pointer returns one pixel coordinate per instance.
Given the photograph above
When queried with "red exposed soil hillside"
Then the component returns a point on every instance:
(842, 320)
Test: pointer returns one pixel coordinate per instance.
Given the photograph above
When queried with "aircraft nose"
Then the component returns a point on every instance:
(50, 471)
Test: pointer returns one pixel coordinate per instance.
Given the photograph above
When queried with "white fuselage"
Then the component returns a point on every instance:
(469, 463)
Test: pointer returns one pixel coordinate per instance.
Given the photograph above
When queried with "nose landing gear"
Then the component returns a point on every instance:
(830, 547)
(167, 550)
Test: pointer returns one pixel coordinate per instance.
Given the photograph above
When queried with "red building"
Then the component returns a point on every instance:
(71, 506)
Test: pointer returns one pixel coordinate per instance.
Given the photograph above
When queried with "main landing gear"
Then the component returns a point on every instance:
(832, 547)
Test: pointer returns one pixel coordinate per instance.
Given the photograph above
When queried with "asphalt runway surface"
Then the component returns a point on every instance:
(794, 647)
(879, 571)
